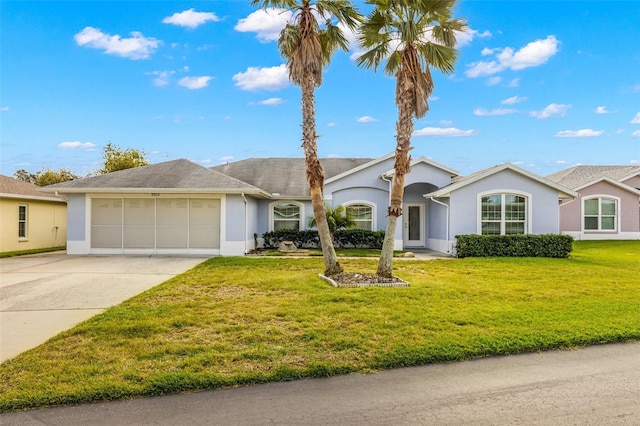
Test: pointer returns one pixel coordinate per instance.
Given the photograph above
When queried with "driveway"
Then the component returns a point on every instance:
(42, 295)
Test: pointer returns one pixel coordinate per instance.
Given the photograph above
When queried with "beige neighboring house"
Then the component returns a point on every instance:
(30, 218)
(608, 203)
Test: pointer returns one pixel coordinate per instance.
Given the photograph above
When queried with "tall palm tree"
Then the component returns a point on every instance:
(412, 36)
(307, 46)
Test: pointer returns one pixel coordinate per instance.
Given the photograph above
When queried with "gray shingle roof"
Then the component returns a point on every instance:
(577, 176)
(176, 174)
(14, 187)
(285, 176)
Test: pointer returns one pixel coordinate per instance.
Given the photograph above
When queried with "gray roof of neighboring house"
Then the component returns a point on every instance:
(14, 188)
(578, 176)
(285, 176)
(173, 175)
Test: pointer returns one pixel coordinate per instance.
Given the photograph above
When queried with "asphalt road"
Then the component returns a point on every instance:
(598, 385)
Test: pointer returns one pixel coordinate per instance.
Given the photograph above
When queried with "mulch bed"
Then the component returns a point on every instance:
(351, 280)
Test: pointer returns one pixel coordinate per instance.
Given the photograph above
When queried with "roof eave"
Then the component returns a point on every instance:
(31, 197)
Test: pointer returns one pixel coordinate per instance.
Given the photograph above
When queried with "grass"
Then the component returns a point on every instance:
(32, 251)
(238, 321)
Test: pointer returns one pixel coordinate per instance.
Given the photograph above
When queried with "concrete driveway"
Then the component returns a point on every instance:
(42, 295)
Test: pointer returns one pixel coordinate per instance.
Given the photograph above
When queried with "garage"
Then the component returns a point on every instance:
(155, 225)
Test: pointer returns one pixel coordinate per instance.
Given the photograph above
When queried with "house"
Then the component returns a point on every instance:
(608, 203)
(31, 218)
(181, 207)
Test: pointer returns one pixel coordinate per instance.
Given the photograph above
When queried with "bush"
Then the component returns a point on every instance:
(356, 238)
(547, 245)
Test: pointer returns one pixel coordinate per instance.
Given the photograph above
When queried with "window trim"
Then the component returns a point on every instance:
(300, 205)
(374, 213)
(528, 220)
(616, 217)
(24, 237)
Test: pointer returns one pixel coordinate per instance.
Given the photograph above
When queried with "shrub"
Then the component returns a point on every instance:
(547, 245)
(356, 238)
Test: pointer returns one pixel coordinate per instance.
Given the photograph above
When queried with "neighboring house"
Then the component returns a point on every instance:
(181, 207)
(31, 218)
(608, 203)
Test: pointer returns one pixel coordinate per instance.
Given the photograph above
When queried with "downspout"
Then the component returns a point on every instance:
(447, 207)
(246, 218)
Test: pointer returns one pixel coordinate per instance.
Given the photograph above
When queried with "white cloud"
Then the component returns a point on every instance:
(514, 100)
(443, 131)
(561, 162)
(533, 54)
(161, 77)
(464, 38)
(481, 112)
(194, 83)
(366, 119)
(514, 83)
(86, 146)
(4, 109)
(634, 162)
(135, 47)
(602, 110)
(190, 18)
(266, 23)
(494, 80)
(273, 78)
(271, 101)
(551, 110)
(635, 134)
(226, 159)
(332, 124)
(446, 122)
(635, 119)
(583, 133)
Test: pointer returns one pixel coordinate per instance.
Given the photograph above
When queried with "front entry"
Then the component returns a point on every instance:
(413, 225)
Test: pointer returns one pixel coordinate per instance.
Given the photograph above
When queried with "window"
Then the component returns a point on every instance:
(362, 215)
(503, 214)
(600, 214)
(286, 216)
(22, 221)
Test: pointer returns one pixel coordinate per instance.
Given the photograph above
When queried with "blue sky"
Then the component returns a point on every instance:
(544, 85)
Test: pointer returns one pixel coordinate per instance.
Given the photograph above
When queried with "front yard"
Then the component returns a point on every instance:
(237, 321)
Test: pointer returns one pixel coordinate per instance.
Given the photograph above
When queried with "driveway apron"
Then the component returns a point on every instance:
(42, 295)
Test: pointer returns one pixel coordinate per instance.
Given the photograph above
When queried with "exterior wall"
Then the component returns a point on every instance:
(376, 197)
(422, 172)
(543, 203)
(633, 182)
(571, 214)
(46, 224)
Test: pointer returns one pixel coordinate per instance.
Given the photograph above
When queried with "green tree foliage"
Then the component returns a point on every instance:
(116, 158)
(336, 219)
(46, 176)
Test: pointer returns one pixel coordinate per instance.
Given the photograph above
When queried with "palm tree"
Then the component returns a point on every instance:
(336, 219)
(308, 47)
(412, 36)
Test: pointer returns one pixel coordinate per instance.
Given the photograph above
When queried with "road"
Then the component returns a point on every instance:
(598, 385)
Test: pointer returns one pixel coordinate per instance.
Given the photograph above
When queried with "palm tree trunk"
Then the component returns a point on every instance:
(404, 129)
(315, 175)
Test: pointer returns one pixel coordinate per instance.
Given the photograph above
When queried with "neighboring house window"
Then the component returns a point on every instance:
(600, 214)
(22, 221)
(286, 216)
(503, 214)
(362, 215)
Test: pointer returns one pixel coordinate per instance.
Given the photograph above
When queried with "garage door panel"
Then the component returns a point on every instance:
(139, 223)
(204, 223)
(106, 223)
(106, 237)
(171, 237)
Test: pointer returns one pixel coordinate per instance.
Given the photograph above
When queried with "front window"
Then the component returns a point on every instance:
(362, 215)
(600, 214)
(503, 214)
(22, 221)
(286, 216)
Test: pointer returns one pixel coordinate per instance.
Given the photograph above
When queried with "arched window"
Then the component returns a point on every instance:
(503, 214)
(600, 214)
(361, 214)
(286, 216)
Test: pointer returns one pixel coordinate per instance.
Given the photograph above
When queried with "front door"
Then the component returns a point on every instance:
(413, 225)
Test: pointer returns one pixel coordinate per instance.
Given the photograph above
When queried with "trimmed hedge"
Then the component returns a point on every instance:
(546, 245)
(357, 238)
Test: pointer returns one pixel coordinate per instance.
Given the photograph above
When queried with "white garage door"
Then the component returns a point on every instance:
(158, 225)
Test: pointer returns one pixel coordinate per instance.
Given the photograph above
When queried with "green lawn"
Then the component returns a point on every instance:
(236, 321)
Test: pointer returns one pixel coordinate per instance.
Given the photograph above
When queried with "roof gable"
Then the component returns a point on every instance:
(425, 160)
(610, 181)
(286, 177)
(579, 176)
(176, 175)
(14, 188)
(463, 181)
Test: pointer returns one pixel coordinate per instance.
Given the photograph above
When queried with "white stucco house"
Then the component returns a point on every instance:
(181, 207)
